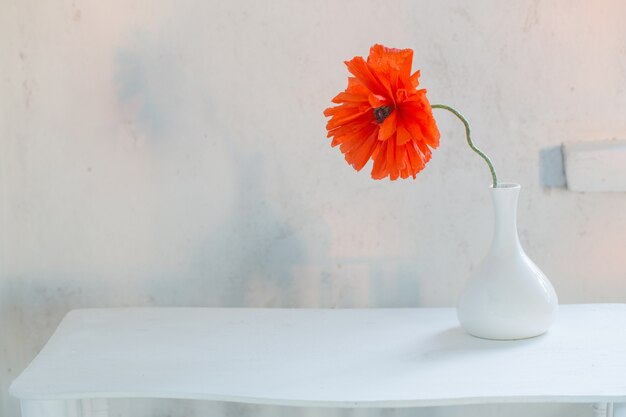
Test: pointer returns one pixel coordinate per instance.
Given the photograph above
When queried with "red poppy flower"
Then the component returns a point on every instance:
(382, 115)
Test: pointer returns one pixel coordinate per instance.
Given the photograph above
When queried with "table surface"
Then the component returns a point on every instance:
(326, 358)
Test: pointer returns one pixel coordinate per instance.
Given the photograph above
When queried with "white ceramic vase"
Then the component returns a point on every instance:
(507, 297)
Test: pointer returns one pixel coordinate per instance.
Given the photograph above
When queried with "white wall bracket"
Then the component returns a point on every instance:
(596, 166)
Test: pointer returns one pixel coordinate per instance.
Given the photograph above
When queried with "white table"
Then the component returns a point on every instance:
(374, 358)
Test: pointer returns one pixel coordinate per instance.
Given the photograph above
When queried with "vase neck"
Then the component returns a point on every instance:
(505, 237)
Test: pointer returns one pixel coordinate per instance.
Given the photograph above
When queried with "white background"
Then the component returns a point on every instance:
(173, 153)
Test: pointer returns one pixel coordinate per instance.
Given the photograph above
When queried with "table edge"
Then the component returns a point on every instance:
(535, 399)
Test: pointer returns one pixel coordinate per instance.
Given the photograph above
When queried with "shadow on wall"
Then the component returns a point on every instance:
(264, 255)
(552, 168)
(143, 69)
(256, 249)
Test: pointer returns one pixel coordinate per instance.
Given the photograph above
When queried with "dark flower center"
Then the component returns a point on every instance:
(381, 113)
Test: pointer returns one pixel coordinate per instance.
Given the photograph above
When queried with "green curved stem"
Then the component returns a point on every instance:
(468, 135)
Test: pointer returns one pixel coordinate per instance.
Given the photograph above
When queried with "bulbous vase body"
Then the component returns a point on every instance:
(507, 297)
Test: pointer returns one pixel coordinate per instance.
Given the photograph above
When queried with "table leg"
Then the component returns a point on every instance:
(51, 408)
(599, 409)
(97, 407)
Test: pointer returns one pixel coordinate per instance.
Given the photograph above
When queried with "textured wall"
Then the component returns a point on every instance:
(166, 153)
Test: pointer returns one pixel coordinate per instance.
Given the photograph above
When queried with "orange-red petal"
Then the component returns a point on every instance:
(359, 157)
(403, 134)
(358, 67)
(376, 100)
(388, 127)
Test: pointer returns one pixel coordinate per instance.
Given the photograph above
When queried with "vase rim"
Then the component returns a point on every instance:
(506, 185)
